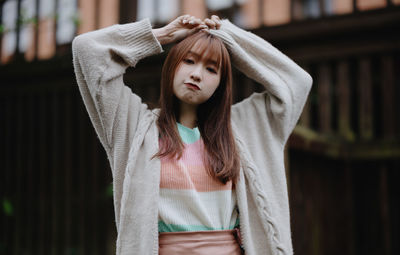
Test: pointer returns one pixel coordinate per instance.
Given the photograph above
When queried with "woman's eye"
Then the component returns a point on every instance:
(210, 69)
(188, 61)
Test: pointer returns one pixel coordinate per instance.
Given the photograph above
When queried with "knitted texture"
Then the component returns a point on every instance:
(190, 199)
(127, 129)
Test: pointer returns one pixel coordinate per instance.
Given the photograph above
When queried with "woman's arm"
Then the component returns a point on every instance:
(287, 84)
(100, 59)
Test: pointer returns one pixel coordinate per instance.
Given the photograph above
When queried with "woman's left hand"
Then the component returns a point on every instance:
(213, 23)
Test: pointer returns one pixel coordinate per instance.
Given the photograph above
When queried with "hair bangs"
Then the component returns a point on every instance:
(209, 48)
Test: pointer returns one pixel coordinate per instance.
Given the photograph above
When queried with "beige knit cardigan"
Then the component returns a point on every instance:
(126, 128)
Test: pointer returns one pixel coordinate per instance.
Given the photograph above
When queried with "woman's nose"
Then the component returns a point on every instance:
(196, 73)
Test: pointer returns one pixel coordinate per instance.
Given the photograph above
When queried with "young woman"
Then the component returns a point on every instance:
(189, 175)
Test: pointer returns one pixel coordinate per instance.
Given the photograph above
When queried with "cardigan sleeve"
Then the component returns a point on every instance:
(100, 59)
(286, 84)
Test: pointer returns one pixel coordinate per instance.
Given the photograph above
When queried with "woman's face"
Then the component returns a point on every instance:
(196, 78)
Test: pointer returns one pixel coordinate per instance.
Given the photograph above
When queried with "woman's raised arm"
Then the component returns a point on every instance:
(287, 84)
(100, 59)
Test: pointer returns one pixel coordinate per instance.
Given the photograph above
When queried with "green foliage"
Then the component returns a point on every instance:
(8, 208)
(109, 190)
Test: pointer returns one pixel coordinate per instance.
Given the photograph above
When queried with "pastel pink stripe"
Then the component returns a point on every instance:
(175, 175)
(192, 154)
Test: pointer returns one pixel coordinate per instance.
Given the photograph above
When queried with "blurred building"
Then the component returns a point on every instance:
(343, 159)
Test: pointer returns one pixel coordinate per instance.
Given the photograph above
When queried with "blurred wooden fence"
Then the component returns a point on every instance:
(344, 156)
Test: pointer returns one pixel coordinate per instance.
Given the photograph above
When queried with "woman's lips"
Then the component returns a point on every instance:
(192, 86)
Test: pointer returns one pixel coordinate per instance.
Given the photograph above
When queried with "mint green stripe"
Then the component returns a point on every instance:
(188, 135)
(163, 227)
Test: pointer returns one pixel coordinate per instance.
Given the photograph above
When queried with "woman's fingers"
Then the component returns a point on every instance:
(216, 20)
(191, 20)
(210, 23)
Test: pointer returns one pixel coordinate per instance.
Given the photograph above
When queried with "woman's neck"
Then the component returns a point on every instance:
(188, 115)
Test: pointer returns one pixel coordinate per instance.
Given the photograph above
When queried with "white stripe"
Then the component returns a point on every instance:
(214, 209)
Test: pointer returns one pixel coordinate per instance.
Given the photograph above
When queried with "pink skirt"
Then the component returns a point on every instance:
(221, 242)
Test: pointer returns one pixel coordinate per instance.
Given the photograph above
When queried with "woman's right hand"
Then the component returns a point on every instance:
(179, 29)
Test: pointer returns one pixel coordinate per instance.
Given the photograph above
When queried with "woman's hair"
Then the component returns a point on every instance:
(213, 116)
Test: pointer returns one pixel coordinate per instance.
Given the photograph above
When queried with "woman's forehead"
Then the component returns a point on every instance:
(206, 51)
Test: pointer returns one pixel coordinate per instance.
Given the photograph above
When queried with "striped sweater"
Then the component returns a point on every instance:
(190, 199)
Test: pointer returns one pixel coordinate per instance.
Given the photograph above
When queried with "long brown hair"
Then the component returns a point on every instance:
(213, 116)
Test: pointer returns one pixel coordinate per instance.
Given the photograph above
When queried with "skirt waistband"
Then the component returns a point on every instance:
(200, 242)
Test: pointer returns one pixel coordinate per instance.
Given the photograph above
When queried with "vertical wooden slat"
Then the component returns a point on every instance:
(7, 228)
(350, 206)
(355, 7)
(42, 220)
(324, 98)
(96, 191)
(322, 8)
(297, 10)
(387, 87)
(343, 101)
(82, 173)
(18, 214)
(30, 174)
(127, 11)
(385, 211)
(55, 173)
(366, 101)
(67, 168)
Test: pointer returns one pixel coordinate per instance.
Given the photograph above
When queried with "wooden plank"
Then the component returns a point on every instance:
(366, 100)
(344, 101)
(6, 174)
(83, 181)
(55, 173)
(96, 192)
(30, 174)
(387, 87)
(18, 168)
(385, 210)
(350, 206)
(42, 221)
(297, 10)
(67, 169)
(324, 78)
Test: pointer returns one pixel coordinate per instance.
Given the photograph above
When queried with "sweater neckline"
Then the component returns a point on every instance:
(188, 135)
